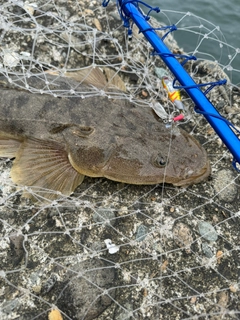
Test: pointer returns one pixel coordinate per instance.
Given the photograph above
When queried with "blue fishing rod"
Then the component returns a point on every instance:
(130, 12)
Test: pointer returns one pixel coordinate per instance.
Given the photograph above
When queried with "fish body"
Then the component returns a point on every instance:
(56, 141)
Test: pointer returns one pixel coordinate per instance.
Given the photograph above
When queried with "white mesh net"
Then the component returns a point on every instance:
(114, 250)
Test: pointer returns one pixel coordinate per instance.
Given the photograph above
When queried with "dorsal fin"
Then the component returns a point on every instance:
(89, 76)
(95, 77)
(114, 80)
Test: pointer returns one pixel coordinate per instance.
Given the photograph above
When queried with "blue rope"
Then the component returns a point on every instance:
(126, 19)
(234, 164)
(171, 29)
(217, 116)
(187, 58)
(105, 3)
(210, 84)
(136, 3)
(178, 55)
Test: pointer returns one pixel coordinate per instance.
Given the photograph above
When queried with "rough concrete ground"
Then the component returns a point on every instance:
(53, 255)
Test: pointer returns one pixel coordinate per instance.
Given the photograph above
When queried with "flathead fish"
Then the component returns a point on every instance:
(56, 141)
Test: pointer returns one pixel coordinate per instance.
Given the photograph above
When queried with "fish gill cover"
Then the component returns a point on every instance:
(112, 250)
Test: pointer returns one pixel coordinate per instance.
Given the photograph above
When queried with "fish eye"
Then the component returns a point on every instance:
(82, 131)
(160, 161)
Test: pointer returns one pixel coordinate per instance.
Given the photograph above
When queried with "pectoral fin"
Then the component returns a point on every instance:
(8, 145)
(45, 164)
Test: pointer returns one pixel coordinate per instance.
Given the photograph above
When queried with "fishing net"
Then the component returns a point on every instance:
(113, 250)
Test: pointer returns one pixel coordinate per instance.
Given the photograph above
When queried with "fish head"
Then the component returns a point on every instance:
(173, 157)
(177, 159)
(184, 162)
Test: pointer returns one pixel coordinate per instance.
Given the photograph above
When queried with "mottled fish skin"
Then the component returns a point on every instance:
(57, 141)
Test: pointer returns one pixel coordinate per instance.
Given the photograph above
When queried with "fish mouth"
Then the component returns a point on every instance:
(198, 177)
